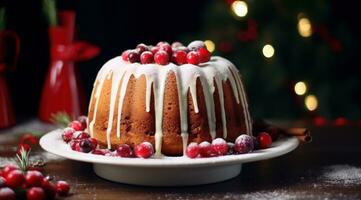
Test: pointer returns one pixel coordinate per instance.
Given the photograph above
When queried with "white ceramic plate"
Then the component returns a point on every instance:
(166, 171)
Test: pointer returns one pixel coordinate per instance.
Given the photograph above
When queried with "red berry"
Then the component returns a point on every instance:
(80, 135)
(124, 150)
(94, 143)
(205, 149)
(154, 50)
(182, 48)
(167, 48)
(76, 125)
(125, 55)
(179, 57)
(193, 58)
(8, 168)
(35, 193)
(147, 57)
(176, 45)
(14, 179)
(141, 48)
(204, 55)
(219, 146)
(243, 144)
(7, 193)
(33, 178)
(196, 45)
(62, 188)
(192, 150)
(144, 150)
(86, 146)
(2, 182)
(29, 139)
(49, 188)
(75, 145)
(67, 134)
(264, 140)
(83, 120)
(133, 57)
(162, 43)
(102, 152)
(161, 57)
(24, 147)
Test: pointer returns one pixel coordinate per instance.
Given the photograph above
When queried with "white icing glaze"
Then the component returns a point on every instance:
(217, 70)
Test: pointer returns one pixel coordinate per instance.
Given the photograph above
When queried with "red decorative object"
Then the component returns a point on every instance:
(62, 91)
(7, 63)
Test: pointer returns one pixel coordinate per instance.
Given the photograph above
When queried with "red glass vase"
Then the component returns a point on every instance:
(9, 51)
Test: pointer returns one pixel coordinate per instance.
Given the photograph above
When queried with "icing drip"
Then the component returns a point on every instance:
(218, 70)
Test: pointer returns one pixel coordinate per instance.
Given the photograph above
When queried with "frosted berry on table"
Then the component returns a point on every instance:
(7, 193)
(35, 193)
(62, 188)
(34, 178)
(14, 178)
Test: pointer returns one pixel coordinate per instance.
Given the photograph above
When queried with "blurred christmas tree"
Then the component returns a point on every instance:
(292, 55)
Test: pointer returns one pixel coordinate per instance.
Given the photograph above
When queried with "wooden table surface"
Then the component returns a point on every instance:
(301, 174)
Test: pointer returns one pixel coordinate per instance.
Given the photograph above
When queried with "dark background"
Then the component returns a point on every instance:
(114, 26)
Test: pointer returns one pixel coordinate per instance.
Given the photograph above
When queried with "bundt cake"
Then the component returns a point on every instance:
(186, 97)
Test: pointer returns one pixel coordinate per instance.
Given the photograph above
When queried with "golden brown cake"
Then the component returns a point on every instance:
(167, 105)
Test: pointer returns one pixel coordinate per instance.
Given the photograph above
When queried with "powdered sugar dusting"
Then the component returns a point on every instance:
(342, 174)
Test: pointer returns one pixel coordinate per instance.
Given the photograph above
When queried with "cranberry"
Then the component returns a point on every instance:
(197, 44)
(33, 178)
(81, 135)
(102, 152)
(8, 168)
(205, 149)
(154, 50)
(67, 134)
(14, 178)
(219, 146)
(193, 58)
(24, 147)
(86, 146)
(162, 43)
(182, 48)
(204, 55)
(167, 48)
(265, 140)
(2, 182)
(125, 55)
(141, 48)
(124, 150)
(35, 193)
(133, 57)
(94, 143)
(83, 120)
(243, 144)
(29, 139)
(192, 150)
(179, 57)
(144, 150)
(161, 57)
(76, 125)
(7, 193)
(75, 145)
(49, 188)
(147, 57)
(175, 45)
(230, 148)
(62, 188)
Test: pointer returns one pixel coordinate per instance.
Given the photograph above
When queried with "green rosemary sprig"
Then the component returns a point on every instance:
(23, 159)
(49, 10)
(61, 119)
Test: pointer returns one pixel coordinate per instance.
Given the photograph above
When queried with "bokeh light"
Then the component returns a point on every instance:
(300, 88)
(311, 102)
(239, 8)
(304, 27)
(268, 51)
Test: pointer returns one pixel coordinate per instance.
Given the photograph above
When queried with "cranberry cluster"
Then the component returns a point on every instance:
(33, 182)
(163, 53)
(219, 147)
(81, 141)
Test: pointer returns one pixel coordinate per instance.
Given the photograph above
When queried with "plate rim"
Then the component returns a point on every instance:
(60, 148)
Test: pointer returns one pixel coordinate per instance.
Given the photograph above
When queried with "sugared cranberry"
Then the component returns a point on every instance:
(23, 147)
(182, 48)
(154, 49)
(176, 44)
(62, 188)
(161, 57)
(193, 58)
(102, 152)
(125, 55)
(94, 142)
(83, 120)
(49, 188)
(197, 44)
(179, 57)
(162, 43)
(205, 149)
(35, 193)
(86, 146)
(8, 168)
(124, 150)
(76, 125)
(133, 57)
(144, 150)
(2, 182)
(243, 144)
(192, 150)
(204, 55)
(33, 178)
(265, 140)
(14, 178)
(80, 135)
(147, 57)
(7, 193)
(141, 48)
(230, 148)
(219, 146)
(167, 48)
(75, 145)
(67, 134)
